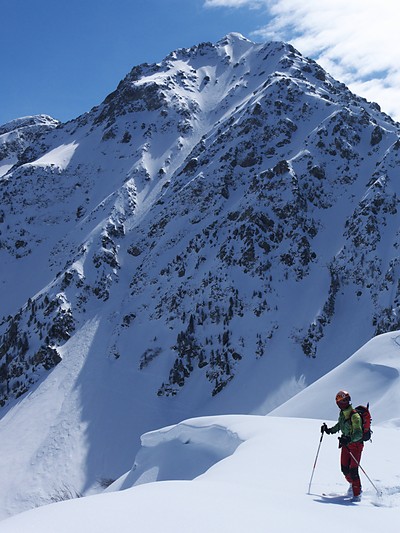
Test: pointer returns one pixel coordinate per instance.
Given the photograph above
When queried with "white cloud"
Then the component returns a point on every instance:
(355, 41)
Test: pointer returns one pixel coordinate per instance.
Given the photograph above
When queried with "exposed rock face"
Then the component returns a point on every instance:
(229, 204)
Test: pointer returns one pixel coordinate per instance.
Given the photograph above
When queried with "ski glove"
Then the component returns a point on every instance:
(343, 441)
(324, 428)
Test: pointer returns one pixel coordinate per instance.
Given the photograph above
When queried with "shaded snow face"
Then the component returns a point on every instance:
(233, 198)
(371, 375)
(244, 492)
(220, 232)
(180, 452)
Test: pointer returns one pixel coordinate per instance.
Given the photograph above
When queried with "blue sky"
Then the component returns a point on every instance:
(62, 57)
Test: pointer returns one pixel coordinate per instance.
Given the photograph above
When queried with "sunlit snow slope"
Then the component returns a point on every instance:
(258, 468)
(215, 236)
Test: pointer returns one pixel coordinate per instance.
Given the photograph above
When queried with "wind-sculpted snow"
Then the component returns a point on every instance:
(183, 451)
(372, 375)
(262, 486)
(228, 215)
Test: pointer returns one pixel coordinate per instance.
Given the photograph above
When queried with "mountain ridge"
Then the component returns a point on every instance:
(224, 221)
(239, 458)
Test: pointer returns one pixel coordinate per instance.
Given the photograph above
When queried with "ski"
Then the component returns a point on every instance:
(333, 496)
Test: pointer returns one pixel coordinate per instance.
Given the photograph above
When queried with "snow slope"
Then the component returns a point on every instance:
(243, 473)
(220, 232)
(372, 375)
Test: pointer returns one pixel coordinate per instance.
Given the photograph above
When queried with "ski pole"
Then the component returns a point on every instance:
(315, 462)
(364, 472)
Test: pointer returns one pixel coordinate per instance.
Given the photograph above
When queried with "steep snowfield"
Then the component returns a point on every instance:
(372, 374)
(242, 473)
(220, 232)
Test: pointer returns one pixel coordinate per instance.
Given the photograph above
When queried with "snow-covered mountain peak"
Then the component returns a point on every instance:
(20, 139)
(215, 226)
(235, 45)
(28, 122)
(259, 152)
(234, 38)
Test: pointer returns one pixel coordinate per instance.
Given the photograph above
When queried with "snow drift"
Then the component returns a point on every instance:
(261, 469)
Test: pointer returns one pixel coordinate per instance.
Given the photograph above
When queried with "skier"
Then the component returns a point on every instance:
(350, 442)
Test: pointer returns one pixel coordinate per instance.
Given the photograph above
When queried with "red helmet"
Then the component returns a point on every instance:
(343, 399)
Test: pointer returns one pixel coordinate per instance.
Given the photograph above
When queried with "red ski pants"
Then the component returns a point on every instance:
(349, 460)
